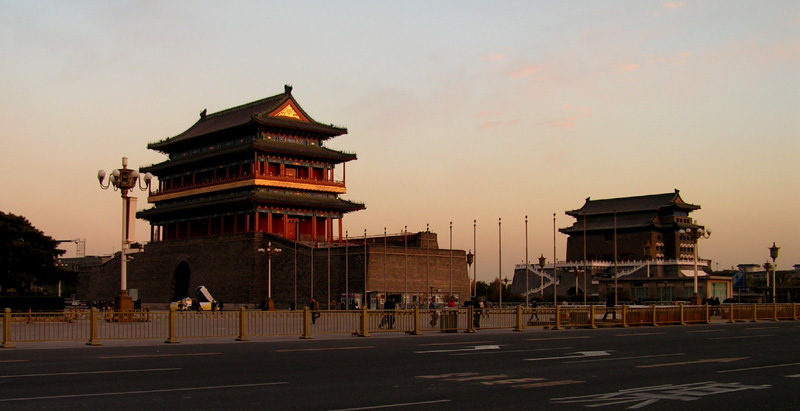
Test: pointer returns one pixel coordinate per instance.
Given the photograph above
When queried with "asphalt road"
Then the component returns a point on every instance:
(744, 366)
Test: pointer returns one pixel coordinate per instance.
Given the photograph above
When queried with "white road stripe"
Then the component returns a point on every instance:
(405, 404)
(88, 372)
(761, 368)
(742, 336)
(106, 394)
(625, 358)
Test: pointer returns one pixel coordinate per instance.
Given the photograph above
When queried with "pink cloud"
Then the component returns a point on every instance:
(674, 4)
(525, 71)
(627, 68)
(493, 57)
(562, 122)
(565, 106)
(493, 124)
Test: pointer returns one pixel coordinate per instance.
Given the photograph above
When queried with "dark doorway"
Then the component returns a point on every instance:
(182, 277)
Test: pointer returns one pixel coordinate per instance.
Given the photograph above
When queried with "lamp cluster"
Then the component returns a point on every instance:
(124, 178)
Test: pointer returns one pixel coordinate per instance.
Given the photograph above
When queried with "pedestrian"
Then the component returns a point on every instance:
(388, 317)
(434, 312)
(477, 310)
(314, 307)
(534, 313)
(213, 305)
(610, 303)
(452, 302)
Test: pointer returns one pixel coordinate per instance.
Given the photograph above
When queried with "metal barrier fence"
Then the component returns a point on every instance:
(172, 326)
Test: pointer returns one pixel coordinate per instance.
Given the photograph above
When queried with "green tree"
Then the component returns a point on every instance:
(28, 257)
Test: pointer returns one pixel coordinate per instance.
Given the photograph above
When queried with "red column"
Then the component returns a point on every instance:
(314, 227)
(269, 222)
(340, 229)
(329, 230)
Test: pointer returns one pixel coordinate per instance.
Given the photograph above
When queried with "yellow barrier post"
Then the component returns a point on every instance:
(171, 339)
(519, 326)
(416, 330)
(306, 324)
(794, 311)
(708, 314)
(592, 325)
(624, 316)
(733, 317)
(683, 315)
(557, 319)
(774, 310)
(364, 332)
(655, 322)
(470, 320)
(93, 328)
(242, 325)
(755, 312)
(7, 329)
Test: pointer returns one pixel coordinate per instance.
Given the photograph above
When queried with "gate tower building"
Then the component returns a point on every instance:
(258, 167)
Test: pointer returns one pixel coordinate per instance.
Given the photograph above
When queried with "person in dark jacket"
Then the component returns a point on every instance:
(610, 304)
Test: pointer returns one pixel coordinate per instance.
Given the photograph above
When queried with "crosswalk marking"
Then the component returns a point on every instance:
(499, 379)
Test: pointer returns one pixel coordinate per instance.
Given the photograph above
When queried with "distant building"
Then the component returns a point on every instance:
(643, 241)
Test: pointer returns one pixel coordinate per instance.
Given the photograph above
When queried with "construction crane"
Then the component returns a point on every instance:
(80, 249)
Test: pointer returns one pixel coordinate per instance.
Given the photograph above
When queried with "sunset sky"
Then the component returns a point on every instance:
(458, 110)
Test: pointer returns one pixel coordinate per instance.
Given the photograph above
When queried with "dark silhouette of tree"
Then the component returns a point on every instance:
(28, 257)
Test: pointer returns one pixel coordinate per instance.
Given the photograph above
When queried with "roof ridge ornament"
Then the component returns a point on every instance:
(287, 88)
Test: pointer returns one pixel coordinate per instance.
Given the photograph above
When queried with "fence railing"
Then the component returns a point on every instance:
(172, 326)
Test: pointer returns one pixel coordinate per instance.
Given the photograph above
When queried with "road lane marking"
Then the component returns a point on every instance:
(559, 338)
(742, 336)
(760, 328)
(5, 361)
(637, 334)
(761, 368)
(89, 372)
(792, 376)
(693, 362)
(327, 349)
(445, 376)
(455, 343)
(107, 394)
(160, 355)
(475, 348)
(513, 381)
(706, 331)
(512, 351)
(581, 354)
(548, 384)
(403, 404)
(624, 358)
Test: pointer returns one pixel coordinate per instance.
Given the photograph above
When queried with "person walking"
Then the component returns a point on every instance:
(434, 312)
(388, 315)
(610, 304)
(314, 307)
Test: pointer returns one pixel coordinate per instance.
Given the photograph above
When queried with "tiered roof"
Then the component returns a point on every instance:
(631, 212)
(280, 111)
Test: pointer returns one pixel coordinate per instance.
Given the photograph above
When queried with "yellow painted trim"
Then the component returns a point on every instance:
(261, 182)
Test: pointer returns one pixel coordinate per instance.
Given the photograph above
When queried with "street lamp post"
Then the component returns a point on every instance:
(773, 253)
(500, 259)
(527, 265)
(270, 251)
(470, 259)
(124, 180)
(542, 261)
(696, 234)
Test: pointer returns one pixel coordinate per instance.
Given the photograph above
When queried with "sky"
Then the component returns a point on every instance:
(459, 111)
